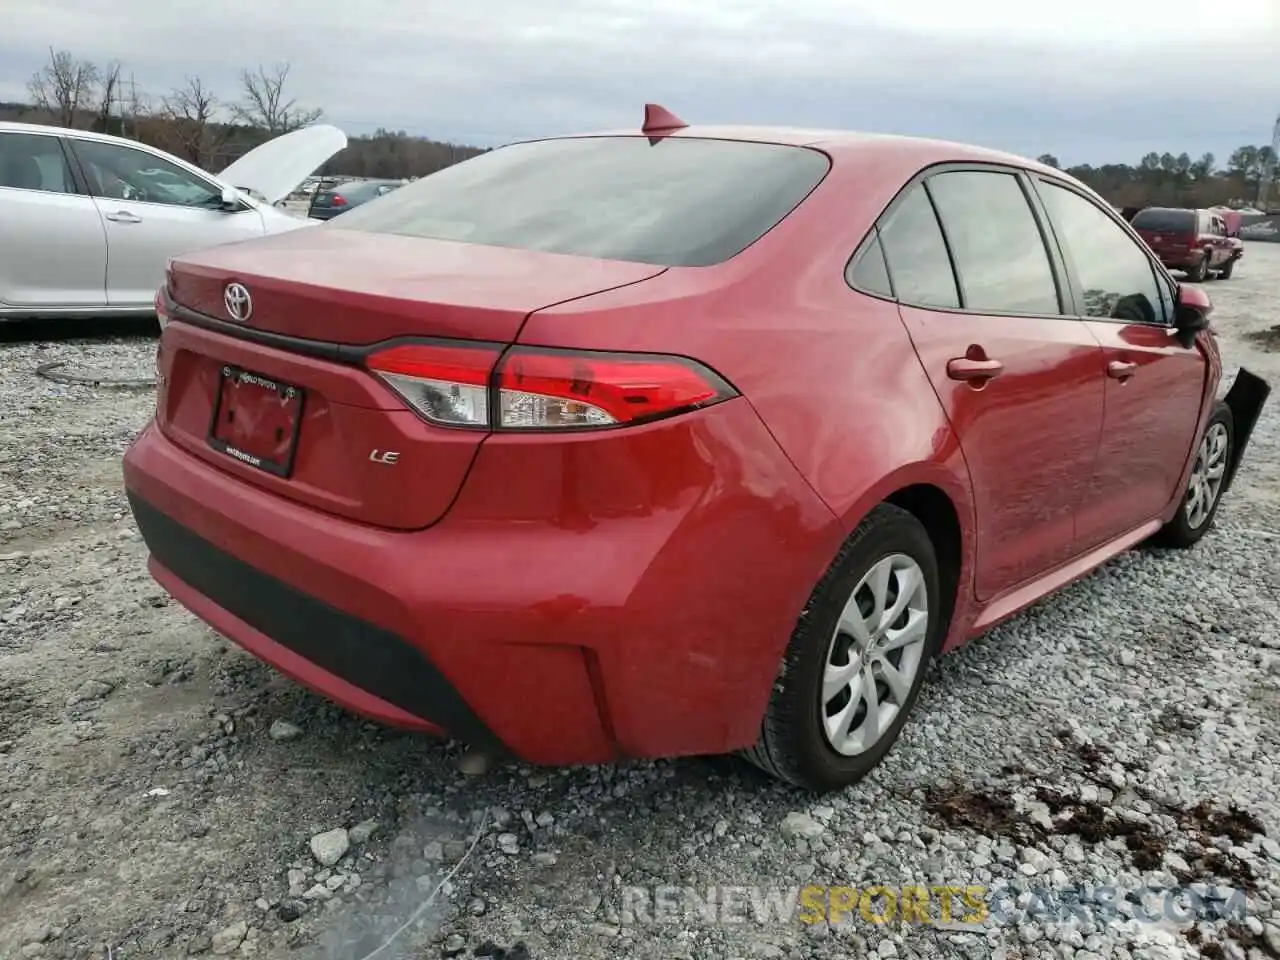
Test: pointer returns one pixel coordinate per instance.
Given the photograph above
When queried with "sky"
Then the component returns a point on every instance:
(1089, 81)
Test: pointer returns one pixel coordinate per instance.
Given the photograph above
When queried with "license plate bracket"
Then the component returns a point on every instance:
(256, 420)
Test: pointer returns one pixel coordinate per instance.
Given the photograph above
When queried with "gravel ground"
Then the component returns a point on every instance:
(163, 794)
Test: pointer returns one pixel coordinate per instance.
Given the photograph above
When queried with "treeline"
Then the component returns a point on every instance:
(196, 123)
(1179, 181)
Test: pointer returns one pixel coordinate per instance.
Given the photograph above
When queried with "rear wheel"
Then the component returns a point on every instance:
(1204, 487)
(1201, 270)
(857, 658)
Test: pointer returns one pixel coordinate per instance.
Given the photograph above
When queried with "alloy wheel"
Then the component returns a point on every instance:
(1207, 475)
(874, 655)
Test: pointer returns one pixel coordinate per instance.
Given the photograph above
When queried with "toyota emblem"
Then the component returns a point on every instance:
(238, 302)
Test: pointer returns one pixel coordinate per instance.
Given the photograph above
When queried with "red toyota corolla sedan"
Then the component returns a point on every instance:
(674, 441)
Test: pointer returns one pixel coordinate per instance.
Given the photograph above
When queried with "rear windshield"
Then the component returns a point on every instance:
(1182, 221)
(673, 202)
(353, 189)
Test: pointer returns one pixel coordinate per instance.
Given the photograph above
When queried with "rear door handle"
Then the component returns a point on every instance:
(1121, 369)
(963, 368)
(123, 216)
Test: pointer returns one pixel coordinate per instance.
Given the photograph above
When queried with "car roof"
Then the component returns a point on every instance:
(899, 154)
(909, 151)
(14, 126)
(919, 152)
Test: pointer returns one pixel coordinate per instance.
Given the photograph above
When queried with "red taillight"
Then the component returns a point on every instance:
(536, 388)
(337, 200)
(541, 389)
(446, 384)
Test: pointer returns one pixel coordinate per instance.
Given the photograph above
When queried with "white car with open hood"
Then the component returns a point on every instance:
(88, 222)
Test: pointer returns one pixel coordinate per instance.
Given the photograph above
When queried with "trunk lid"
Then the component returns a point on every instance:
(344, 286)
(325, 433)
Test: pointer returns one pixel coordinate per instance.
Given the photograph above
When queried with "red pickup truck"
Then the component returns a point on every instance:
(1196, 242)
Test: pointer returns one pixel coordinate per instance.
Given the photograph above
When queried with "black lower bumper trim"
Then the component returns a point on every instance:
(375, 660)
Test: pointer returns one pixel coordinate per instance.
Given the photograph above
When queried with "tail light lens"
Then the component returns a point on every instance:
(337, 200)
(530, 388)
(549, 390)
(446, 384)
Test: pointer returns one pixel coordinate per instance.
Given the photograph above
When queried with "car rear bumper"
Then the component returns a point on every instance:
(571, 637)
(318, 645)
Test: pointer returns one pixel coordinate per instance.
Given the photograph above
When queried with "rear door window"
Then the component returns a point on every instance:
(999, 253)
(34, 162)
(917, 254)
(674, 201)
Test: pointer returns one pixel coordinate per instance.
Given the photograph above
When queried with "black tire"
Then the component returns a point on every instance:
(1200, 271)
(1227, 268)
(793, 745)
(1180, 533)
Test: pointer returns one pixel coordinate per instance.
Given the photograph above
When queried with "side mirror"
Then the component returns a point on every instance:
(1191, 314)
(230, 198)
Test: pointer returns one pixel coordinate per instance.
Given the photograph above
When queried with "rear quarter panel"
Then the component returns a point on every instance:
(831, 372)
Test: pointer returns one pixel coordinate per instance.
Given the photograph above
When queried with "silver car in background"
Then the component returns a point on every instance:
(89, 221)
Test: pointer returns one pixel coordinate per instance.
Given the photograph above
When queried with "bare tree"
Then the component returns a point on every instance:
(108, 94)
(191, 110)
(64, 86)
(266, 104)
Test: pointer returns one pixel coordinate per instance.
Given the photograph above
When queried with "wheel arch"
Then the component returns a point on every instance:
(776, 749)
(937, 513)
(937, 493)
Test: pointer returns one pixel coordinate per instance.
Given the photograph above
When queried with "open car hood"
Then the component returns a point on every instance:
(273, 170)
